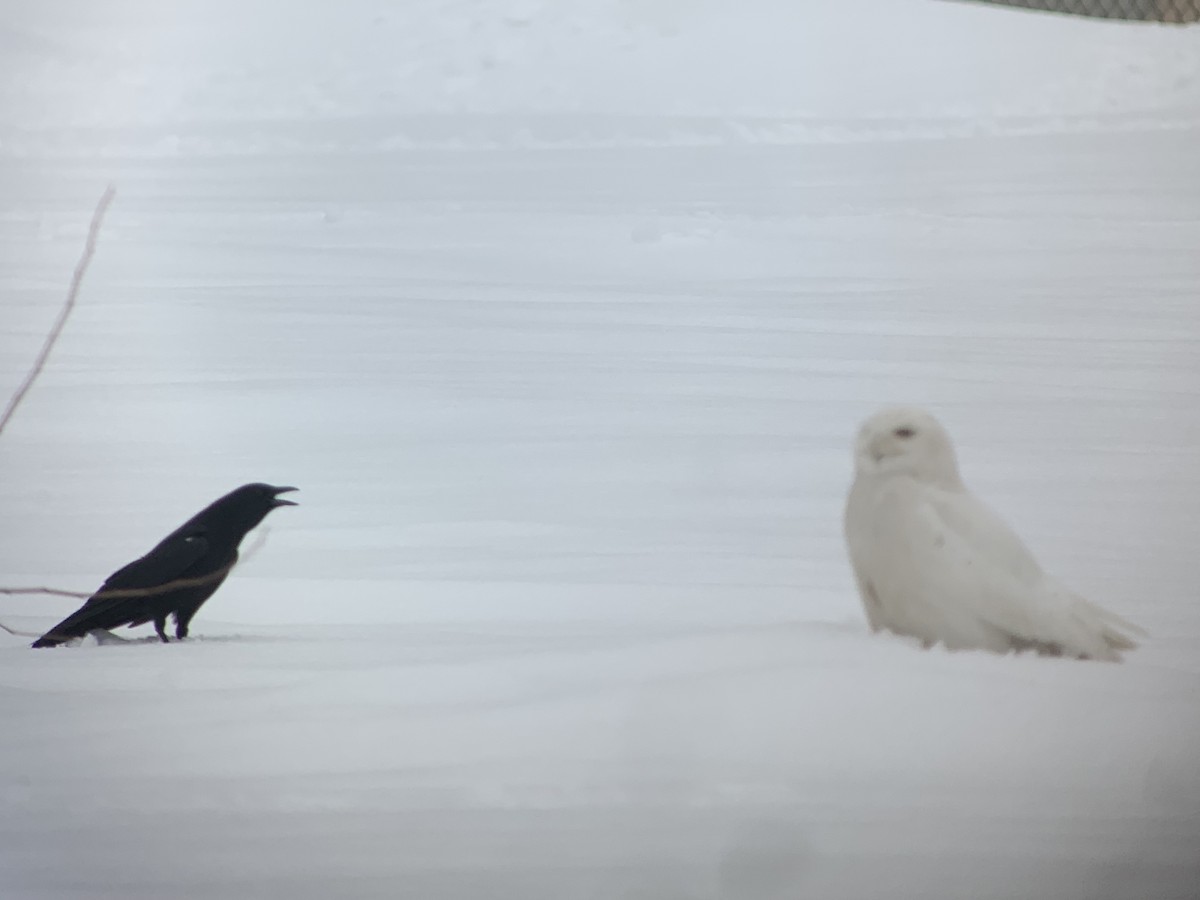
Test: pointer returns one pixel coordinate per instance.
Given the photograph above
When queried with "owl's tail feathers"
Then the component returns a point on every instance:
(1111, 633)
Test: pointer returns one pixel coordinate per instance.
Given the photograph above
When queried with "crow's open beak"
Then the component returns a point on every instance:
(279, 501)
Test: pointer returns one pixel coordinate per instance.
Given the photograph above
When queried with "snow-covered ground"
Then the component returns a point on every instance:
(563, 316)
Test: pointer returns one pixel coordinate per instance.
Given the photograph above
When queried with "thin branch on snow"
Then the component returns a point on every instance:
(72, 293)
(35, 370)
(16, 633)
(54, 592)
(123, 593)
(260, 540)
(120, 593)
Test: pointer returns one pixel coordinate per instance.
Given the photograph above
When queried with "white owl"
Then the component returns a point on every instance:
(933, 562)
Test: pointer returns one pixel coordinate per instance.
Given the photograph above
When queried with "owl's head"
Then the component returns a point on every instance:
(905, 440)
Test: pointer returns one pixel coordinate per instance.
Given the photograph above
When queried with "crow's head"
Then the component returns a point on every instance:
(244, 508)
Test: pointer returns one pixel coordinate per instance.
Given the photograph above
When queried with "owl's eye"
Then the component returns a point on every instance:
(904, 433)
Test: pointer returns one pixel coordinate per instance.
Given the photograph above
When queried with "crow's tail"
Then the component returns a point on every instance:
(98, 612)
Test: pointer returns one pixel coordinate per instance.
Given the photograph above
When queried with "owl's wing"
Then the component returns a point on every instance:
(981, 564)
(858, 521)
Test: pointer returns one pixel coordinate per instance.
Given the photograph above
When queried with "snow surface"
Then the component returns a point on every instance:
(563, 316)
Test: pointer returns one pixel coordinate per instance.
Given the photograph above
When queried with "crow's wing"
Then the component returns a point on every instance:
(167, 562)
(110, 607)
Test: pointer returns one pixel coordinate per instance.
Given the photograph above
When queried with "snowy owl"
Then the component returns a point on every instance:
(933, 562)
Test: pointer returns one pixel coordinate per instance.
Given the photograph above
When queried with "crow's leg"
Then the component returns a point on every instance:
(183, 618)
(160, 626)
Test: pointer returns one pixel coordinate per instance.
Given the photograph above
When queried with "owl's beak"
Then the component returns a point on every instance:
(876, 448)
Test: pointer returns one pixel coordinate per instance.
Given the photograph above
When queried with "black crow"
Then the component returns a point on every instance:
(177, 576)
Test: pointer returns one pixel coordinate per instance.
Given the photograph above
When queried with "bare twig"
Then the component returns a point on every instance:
(72, 293)
(39, 364)
(16, 633)
(124, 593)
(260, 539)
(54, 592)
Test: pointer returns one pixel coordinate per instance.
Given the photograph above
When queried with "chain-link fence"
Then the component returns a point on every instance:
(1174, 11)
